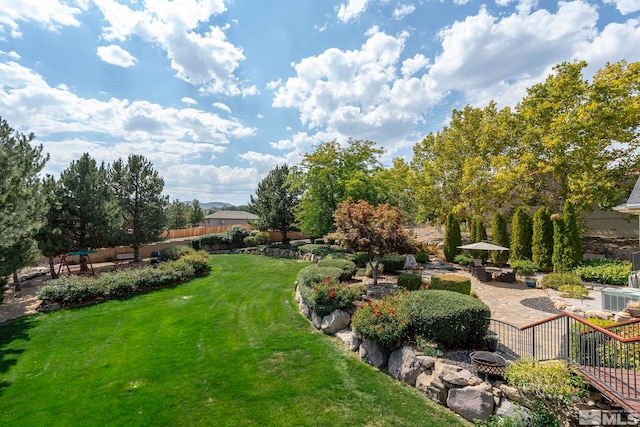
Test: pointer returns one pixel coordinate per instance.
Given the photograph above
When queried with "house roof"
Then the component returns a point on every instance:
(633, 203)
(232, 215)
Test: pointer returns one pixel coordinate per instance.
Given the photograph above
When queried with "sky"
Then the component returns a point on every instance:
(216, 93)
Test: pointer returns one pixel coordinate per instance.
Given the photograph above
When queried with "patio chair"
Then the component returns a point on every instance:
(508, 276)
(483, 275)
(475, 263)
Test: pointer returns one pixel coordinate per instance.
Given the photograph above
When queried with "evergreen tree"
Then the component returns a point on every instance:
(562, 250)
(480, 235)
(452, 237)
(196, 214)
(50, 238)
(137, 188)
(22, 205)
(89, 212)
(571, 222)
(542, 246)
(500, 236)
(521, 234)
(275, 201)
(177, 215)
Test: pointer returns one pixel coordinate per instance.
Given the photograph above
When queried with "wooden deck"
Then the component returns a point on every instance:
(615, 384)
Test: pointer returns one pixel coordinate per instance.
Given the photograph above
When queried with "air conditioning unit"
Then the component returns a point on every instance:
(614, 299)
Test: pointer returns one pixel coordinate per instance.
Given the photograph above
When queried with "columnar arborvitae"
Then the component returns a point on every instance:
(562, 250)
(472, 230)
(452, 237)
(521, 234)
(481, 234)
(499, 236)
(542, 247)
(571, 222)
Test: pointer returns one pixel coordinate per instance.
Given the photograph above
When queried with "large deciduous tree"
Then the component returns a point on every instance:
(22, 204)
(137, 188)
(275, 201)
(331, 174)
(376, 230)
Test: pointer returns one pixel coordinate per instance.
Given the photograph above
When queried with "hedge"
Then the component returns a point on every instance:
(451, 282)
(68, 290)
(348, 268)
(448, 318)
(342, 255)
(409, 281)
(318, 250)
(605, 271)
(392, 263)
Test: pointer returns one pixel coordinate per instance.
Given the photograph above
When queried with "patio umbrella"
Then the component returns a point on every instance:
(483, 246)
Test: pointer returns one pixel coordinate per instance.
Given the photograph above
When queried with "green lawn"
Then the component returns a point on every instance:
(227, 349)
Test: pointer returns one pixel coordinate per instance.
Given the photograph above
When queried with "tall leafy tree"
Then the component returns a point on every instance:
(376, 230)
(275, 201)
(90, 216)
(452, 237)
(22, 205)
(542, 242)
(500, 236)
(521, 234)
(137, 188)
(331, 174)
(196, 214)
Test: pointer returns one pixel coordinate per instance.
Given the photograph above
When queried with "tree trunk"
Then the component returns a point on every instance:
(83, 263)
(16, 281)
(374, 271)
(284, 235)
(136, 253)
(52, 268)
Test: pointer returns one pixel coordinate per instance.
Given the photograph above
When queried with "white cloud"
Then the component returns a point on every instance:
(51, 14)
(274, 84)
(116, 55)
(403, 10)
(188, 100)
(625, 6)
(460, 2)
(200, 54)
(351, 10)
(221, 106)
(411, 66)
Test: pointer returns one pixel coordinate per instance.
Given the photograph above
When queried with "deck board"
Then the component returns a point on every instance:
(621, 386)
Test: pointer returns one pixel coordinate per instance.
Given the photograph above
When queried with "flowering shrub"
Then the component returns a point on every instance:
(383, 321)
(331, 294)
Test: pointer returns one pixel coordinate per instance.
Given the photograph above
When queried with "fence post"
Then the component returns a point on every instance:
(533, 342)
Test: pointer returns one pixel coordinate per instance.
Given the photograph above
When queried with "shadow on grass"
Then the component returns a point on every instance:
(13, 333)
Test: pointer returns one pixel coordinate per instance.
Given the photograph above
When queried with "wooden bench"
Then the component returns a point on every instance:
(125, 258)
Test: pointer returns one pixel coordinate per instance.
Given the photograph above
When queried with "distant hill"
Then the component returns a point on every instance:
(215, 205)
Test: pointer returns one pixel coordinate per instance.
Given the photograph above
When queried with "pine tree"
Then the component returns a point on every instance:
(542, 246)
(500, 237)
(521, 234)
(452, 237)
(571, 222)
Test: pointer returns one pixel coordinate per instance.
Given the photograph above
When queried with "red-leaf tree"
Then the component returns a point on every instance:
(376, 230)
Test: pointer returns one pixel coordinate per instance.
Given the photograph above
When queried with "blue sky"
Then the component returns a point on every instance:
(216, 93)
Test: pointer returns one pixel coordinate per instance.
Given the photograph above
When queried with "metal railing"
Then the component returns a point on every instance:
(609, 355)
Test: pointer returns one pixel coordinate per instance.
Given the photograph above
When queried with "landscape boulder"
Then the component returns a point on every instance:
(404, 366)
(373, 353)
(335, 321)
(472, 402)
(350, 338)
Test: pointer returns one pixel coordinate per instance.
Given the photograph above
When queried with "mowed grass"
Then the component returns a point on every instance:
(226, 349)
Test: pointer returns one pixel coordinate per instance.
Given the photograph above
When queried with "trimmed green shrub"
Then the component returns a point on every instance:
(500, 236)
(521, 234)
(277, 245)
(555, 280)
(322, 292)
(542, 242)
(573, 291)
(318, 241)
(409, 281)
(448, 318)
(314, 273)
(262, 237)
(605, 271)
(563, 258)
(462, 259)
(524, 266)
(348, 268)
(452, 237)
(383, 321)
(573, 234)
(451, 282)
(422, 257)
(342, 255)
(318, 250)
(392, 263)
(361, 259)
(250, 241)
(175, 252)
